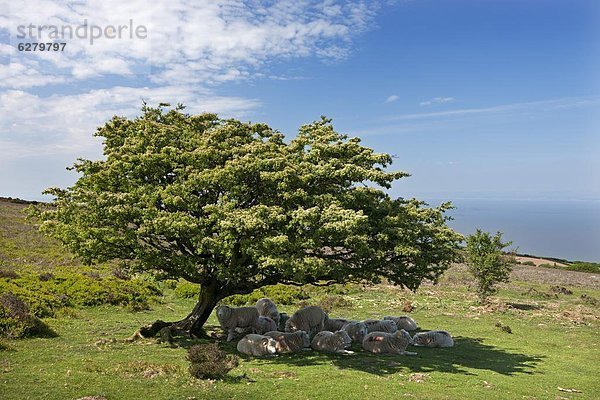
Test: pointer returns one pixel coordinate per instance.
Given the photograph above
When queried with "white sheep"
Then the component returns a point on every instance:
(283, 317)
(267, 308)
(388, 343)
(309, 319)
(403, 322)
(232, 318)
(331, 342)
(335, 324)
(290, 342)
(433, 339)
(263, 324)
(375, 325)
(356, 330)
(257, 345)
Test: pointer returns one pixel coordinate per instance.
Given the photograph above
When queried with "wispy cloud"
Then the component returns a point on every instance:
(444, 120)
(391, 98)
(548, 104)
(437, 100)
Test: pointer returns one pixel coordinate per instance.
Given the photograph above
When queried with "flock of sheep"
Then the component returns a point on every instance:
(310, 327)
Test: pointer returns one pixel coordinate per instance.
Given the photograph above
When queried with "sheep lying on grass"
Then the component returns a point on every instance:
(309, 319)
(356, 330)
(283, 317)
(331, 342)
(403, 322)
(263, 325)
(374, 325)
(335, 324)
(388, 343)
(334, 335)
(232, 318)
(289, 342)
(267, 308)
(257, 345)
(433, 339)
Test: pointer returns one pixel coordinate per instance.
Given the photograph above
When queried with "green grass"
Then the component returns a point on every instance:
(553, 344)
(546, 350)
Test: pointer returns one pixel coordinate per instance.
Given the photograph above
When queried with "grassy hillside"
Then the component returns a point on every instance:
(537, 340)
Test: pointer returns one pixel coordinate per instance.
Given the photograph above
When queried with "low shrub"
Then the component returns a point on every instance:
(339, 289)
(170, 283)
(208, 361)
(187, 290)
(530, 263)
(330, 302)
(578, 266)
(584, 267)
(286, 295)
(8, 274)
(65, 288)
(121, 273)
(46, 276)
(16, 320)
(40, 304)
(280, 294)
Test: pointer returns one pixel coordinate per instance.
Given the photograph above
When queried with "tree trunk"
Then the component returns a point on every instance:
(208, 298)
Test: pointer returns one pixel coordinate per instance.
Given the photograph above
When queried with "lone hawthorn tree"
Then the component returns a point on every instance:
(233, 207)
(487, 262)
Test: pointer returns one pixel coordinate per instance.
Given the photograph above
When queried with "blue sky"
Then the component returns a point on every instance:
(493, 99)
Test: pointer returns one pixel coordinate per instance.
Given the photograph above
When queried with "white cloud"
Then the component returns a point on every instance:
(34, 125)
(437, 100)
(392, 98)
(187, 42)
(191, 48)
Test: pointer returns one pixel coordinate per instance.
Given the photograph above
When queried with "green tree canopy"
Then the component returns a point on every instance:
(233, 206)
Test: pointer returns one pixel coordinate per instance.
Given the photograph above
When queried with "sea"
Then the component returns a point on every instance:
(566, 229)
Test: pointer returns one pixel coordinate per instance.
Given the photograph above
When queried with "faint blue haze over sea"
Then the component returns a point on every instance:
(568, 229)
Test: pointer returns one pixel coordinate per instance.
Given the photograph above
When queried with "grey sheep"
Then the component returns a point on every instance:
(433, 339)
(403, 322)
(356, 330)
(335, 324)
(289, 342)
(267, 308)
(388, 343)
(331, 342)
(283, 317)
(309, 319)
(374, 325)
(232, 318)
(257, 345)
(263, 325)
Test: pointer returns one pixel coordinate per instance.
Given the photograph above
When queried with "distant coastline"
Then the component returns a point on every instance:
(560, 232)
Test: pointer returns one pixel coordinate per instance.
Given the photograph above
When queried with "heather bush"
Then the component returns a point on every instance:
(46, 276)
(16, 320)
(8, 274)
(208, 361)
